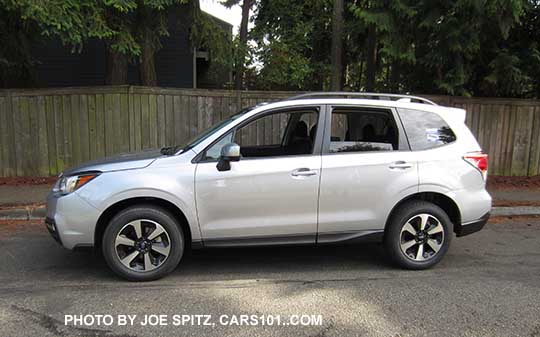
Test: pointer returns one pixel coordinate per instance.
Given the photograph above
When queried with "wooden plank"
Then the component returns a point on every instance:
(110, 132)
(50, 130)
(193, 120)
(169, 121)
(179, 130)
(17, 135)
(92, 127)
(503, 135)
(482, 128)
(209, 112)
(137, 122)
(84, 128)
(200, 114)
(131, 121)
(145, 122)
(490, 136)
(123, 118)
(117, 123)
(4, 142)
(12, 170)
(43, 149)
(26, 151)
(534, 156)
(510, 141)
(100, 126)
(32, 146)
(59, 132)
(67, 125)
(75, 129)
(522, 136)
(498, 170)
(160, 114)
(152, 120)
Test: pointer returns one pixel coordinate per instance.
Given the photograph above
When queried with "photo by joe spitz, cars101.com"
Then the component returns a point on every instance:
(337, 168)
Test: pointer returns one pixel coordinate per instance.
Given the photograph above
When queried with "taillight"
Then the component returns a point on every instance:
(479, 160)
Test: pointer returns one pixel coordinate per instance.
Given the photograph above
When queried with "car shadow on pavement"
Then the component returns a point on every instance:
(40, 258)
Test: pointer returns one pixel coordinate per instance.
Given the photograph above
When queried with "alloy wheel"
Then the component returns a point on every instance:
(421, 237)
(142, 245)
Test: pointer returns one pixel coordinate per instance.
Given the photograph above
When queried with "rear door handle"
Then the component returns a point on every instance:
(400, 165)
(303, 172)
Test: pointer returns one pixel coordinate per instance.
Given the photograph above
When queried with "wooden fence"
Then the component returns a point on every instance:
(44, 131)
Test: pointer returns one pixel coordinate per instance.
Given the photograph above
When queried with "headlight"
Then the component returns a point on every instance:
(66, 185)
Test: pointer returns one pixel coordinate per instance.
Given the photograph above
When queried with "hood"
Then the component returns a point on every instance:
(126, 161)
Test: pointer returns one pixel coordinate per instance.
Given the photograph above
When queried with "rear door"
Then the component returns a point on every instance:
(367, 168)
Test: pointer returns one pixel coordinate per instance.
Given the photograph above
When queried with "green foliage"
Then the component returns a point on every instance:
(459, 47)
(292, 41)
(126, 26)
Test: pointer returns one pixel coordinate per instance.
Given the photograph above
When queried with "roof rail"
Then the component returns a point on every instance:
(363, 95)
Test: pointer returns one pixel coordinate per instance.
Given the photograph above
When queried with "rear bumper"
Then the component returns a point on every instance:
(472, 226)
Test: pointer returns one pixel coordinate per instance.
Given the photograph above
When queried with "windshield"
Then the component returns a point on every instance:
(171, 150)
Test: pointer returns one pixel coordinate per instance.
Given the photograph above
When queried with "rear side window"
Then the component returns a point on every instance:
(425, 130)
(362, 130)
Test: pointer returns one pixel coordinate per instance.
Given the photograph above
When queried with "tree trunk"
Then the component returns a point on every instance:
(371, 58)
(239, 77)
(360, 72)
(394, 77)
(116, 68)
(337, 47)
(147, 67)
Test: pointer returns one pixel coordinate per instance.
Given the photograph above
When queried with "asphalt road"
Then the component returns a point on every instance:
(488, 285)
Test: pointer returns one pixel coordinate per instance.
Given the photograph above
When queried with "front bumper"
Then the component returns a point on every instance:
(71, 220)
(472, 226)
(51, 227)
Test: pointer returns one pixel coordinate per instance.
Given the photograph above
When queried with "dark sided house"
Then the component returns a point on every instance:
(178, 64)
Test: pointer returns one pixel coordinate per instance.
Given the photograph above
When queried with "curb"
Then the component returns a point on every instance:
(517, 210)
(23, 213)
(39, 212)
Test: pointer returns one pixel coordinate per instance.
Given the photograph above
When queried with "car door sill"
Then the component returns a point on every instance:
(352, 237)
(300, 239)
(345, 237)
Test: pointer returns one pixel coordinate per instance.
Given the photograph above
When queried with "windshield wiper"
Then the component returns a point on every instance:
(170, 150)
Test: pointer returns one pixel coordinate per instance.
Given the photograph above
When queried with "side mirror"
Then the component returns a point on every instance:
(229, 152)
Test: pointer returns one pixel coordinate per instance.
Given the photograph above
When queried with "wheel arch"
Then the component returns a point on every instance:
(113, 209)
(448, 205)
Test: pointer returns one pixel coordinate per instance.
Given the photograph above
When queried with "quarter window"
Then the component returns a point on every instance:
(425, 130)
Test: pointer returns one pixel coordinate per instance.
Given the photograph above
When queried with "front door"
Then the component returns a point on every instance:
(270, 196)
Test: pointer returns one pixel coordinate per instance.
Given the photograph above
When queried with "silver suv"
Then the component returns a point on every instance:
(319, 168)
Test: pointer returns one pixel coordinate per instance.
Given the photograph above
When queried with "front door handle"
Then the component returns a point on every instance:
(303, 172)
(402, 165)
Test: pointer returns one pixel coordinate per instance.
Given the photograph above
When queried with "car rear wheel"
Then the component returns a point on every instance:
(418, 235)
(143, 243)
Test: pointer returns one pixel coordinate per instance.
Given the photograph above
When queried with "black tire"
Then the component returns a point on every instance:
(396, 236)
(174, 239)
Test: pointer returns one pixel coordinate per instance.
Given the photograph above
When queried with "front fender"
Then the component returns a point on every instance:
(175, 185)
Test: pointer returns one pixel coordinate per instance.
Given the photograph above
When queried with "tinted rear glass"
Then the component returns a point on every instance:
(425, 130)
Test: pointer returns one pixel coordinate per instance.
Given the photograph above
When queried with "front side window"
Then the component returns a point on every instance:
(214, 151)
(362, 130)
(425, 130)
(284, 133)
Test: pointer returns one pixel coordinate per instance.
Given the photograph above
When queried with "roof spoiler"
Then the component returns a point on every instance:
(457, 114)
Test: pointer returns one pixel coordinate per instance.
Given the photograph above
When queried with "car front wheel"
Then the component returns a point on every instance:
(143, 243)
(418, 235)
